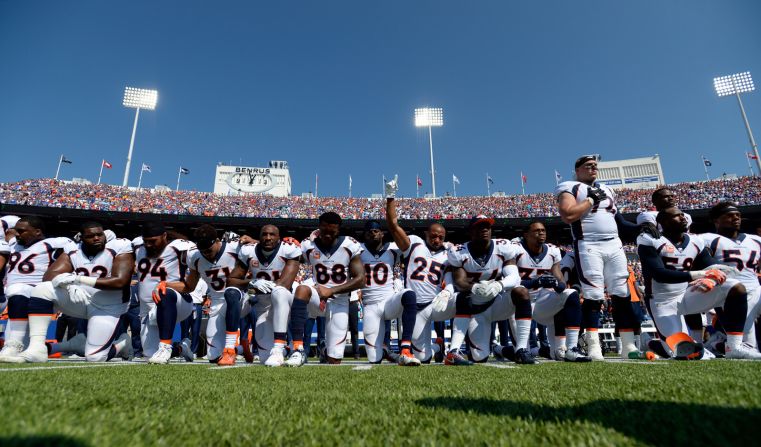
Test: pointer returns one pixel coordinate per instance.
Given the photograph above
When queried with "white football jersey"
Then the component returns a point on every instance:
(170, 266)
(675, 257)
(424, 270)
(379, 272)
(742, 253)
(331, 267)
(101, 266)
(650, 216)
(215, 272)
(27, 265)
(531, 266)
(269, 267)
(598, 223)
(487, 268)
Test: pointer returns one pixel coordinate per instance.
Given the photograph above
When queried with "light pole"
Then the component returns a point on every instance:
(430, 117)
(734, 85)
(137, 98)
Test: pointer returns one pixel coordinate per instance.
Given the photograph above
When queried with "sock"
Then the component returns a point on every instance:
(232, 312)
(627, 341)
(230, 339)
(734, 340)
(590, 314)
(557, 342)
(623, 315)
(280, 339)
(697, 335)
(18, 318)
(523, 330)
(459, 328)
(297, 323)
(166, 315)
(409, 314)
(40, 314)
(735, 312)
(571, 337)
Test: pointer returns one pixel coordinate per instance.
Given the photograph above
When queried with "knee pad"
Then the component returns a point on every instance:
(409, 298)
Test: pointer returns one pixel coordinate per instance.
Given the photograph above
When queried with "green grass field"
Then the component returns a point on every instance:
(632, 403)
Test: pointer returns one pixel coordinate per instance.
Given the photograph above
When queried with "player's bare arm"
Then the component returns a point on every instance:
(237, 278)
(570, 211)
(557, 273)
(356, 281)
(461, 279)
(61, 265)
(288, 274)
(191, 282)
(397, 232)
(121, 273)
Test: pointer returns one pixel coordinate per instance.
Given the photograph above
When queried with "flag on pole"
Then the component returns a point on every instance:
(107, 165)
(558, 177)
(146, 168)
(349, 181)
(184, 170)
(707, 162)
(419, 181)
(489, 179)
(752, 156)
(523, 178)
(65, 160)
(455, 179)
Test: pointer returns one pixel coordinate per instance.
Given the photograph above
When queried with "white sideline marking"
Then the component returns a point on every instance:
(496, 365)
(362, 368)
(43, 368)
(222, 368)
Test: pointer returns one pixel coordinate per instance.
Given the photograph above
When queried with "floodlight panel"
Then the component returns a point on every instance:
(138, 98)
(429, 117)
(731, 84)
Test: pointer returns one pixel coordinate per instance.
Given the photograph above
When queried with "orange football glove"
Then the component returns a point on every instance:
(160, 289)
(290, 240)
(703, 284)
(716, 275)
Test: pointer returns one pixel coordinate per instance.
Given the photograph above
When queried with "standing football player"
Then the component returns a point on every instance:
(29, 259)
(590, 209)
(91, 282)
(683, 281)
(380, 302)
(164, 299)
(337, 270)
(554, 304)
(663, 198)
(273, 265)
(426, 274)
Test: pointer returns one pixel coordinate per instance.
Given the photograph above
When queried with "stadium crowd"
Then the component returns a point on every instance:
(57, 194)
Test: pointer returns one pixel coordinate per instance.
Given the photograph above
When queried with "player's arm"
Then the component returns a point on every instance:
(461, 280)
(627, 230)
(511, 277)
(190, 283)
(652, 264)
(356, 280)
(121, 273)
(61, 265)
(3, 260)
(237, 278)
(288, 275)
(397, 232)
(557, 273)
(703, 260)
(570, 211)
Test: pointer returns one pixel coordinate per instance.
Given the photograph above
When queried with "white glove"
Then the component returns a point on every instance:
(441, 300)
(392, 186)
(78, 295)
(487, 289)
(263, 285)
(64, 279)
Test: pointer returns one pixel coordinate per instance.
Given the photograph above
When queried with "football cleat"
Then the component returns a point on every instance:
(559, 354)
(594, 351)
(187, 353)
(323, 351)
(127, 352)
(707, 355)
(407, 359)
(575, 355)
(296, 359)
(659, 348)
(544, 351)
(276, 357)
(717, 344)
(455, 358)
(228, 357)
(11, 351)
(523, 357)
(248, 356)
(390, 355)
(162, 356)
(496, 351)
(38, 354)
(631, 353)
(438, 356)
(743, 351)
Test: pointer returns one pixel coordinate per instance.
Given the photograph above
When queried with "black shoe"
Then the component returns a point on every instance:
(524, 357)
(544, 351)
(390, 356)
(438, 357)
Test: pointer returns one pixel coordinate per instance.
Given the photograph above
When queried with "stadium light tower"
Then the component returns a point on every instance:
(430, 117)
(734, 85)
(137, 98)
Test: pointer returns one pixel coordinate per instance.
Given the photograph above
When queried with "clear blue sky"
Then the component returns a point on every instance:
(331, 87)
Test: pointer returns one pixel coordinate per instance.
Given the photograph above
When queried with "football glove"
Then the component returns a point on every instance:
(649, 228)
(487, 289)
(547, 281)
(597, 195)
(78, 295)
(715, 274)
(441, 300)
(263, 285)
(64, 279)
(158, 291)
(392, 186)
(703, 285)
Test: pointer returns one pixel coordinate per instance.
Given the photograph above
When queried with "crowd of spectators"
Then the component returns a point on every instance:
(52, 193)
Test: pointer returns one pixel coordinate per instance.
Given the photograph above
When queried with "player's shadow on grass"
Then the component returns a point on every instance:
(660, 423)
(41, 440)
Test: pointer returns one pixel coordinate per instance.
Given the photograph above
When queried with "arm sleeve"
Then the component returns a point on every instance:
(628, 230)
(511, 277)
(653, 265)
(703, 260)
(449, 281)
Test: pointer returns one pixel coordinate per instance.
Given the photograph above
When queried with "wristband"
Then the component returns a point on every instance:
(87, 280)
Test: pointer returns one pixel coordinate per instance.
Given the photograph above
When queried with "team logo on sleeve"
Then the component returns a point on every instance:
(317, 255)
(254, 263)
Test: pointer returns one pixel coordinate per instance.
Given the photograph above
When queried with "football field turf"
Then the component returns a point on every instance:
(607, 403)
